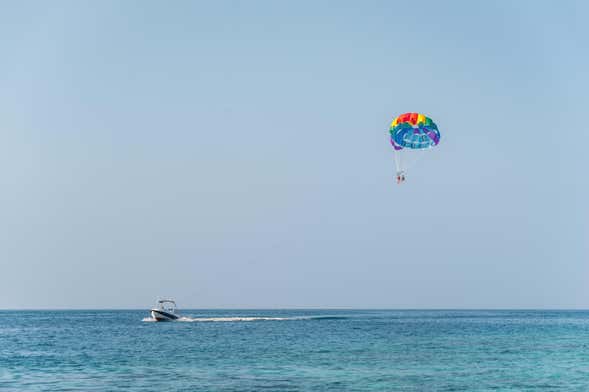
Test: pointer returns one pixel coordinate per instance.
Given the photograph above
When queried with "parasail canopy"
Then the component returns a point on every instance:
(415, 131)
(410, 133)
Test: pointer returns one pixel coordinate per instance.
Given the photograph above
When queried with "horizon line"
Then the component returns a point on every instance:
(310, 308)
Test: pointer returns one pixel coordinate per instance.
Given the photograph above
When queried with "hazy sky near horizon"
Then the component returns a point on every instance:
(235, 154)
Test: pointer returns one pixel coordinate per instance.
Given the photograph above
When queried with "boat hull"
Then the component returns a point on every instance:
(160, 315)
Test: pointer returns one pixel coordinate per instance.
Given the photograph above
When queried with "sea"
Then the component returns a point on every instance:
(295, 350)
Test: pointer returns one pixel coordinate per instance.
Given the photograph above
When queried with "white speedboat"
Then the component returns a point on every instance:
(165, 310)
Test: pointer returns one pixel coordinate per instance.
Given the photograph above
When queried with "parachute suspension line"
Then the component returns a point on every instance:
(398, 164)
(417, 155)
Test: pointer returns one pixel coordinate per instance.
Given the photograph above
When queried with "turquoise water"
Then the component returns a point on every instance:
(319, 350)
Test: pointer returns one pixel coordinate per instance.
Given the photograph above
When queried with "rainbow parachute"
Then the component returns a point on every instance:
(411, 131)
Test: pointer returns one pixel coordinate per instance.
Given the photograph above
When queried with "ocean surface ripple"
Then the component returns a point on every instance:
(295, 350)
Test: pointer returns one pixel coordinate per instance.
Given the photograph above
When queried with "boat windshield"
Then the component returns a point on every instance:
(166, 305)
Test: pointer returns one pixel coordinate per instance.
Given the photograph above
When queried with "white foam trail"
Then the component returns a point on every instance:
(235, 319)
(242, 319)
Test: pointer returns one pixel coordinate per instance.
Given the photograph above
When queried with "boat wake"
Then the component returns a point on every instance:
(245, 319)
(149, 320)
(232, 319)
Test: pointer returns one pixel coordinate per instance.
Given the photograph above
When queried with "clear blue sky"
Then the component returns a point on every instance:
(235, 154)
